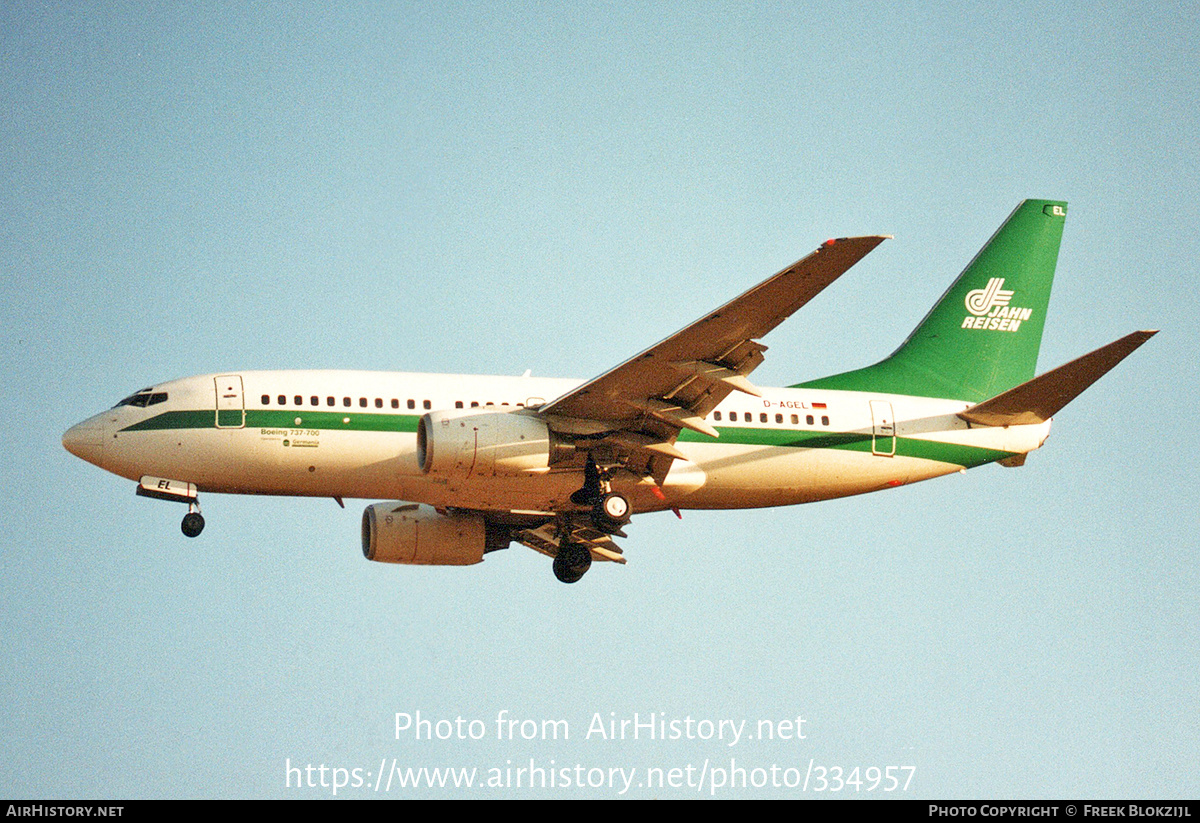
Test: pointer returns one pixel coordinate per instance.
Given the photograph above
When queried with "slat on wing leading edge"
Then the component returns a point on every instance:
(618, 394)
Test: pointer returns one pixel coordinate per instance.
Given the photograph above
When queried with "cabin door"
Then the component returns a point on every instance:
(883, 429)
(231, 407)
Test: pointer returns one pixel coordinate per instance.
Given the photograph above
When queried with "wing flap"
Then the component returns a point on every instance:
(707, 373)
(545, 539)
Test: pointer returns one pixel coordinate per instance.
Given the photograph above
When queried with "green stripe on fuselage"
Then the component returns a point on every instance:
(953, 453)
(281, 419)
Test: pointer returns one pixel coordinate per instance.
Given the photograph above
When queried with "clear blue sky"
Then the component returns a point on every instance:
(188, 188)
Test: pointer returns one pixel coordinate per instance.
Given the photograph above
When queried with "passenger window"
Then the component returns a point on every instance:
(795, 419)
(346, 401)
(427, 405)
(282, 400)
(762, 418)
(362, 402)
(299, 400)
(716, 415)
(395, 403)
(824, 420)
(314, 401)
(412, 404)
(329, 401)
(474, 404)
(379, 402)
(779, 418)
(808, 419)
(458, 404)
(266, 399)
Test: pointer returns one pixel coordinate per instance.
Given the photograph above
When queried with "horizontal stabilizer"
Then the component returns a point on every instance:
(1039, 399)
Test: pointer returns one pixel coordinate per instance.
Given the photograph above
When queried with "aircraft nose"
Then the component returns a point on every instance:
(85, 440)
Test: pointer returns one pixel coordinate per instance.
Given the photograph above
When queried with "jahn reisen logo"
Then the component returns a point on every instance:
(990, 308)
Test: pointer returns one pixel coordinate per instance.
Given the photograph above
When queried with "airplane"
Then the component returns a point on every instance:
(471, 464)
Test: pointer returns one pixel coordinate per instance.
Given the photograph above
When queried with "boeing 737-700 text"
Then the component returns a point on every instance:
(471, 464)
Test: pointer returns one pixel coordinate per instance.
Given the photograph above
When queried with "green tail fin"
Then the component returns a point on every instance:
(982, 337)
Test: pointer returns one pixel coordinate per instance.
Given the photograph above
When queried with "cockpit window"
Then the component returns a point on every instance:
(143, 398)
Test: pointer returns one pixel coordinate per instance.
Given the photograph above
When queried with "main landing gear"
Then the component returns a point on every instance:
(610, 510)
(606, 512)
(572, 561)
(613, 509)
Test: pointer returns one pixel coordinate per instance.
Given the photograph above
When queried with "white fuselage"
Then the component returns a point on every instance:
(352, 434)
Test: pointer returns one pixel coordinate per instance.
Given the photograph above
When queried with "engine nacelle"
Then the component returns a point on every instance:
(399, 532)
(488, 444)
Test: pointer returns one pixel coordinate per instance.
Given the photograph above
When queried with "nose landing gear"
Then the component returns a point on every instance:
(193, 521)
(161, 488)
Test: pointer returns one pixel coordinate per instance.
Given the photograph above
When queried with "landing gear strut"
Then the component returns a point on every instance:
(593, 489)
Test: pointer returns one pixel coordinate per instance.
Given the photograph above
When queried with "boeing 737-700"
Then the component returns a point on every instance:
(470, 464)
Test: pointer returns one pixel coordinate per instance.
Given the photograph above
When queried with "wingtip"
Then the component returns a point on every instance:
(878, 238)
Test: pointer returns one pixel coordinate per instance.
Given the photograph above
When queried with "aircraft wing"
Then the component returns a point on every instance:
(640, 406)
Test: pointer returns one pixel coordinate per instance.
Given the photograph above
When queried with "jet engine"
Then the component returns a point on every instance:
(489, 444)
(400, 532)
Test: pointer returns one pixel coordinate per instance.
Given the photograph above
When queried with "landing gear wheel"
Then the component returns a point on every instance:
(572, 562)
(615, 507)
(193, 524)
(610, 513)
